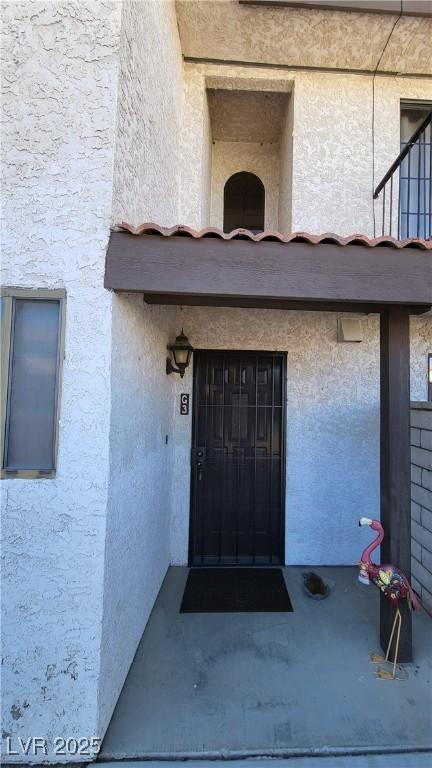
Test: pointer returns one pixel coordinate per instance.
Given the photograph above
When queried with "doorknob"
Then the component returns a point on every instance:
(198, 455)
(198, 458)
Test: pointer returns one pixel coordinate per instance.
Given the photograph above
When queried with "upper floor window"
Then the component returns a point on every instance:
(32, 333)
(244, 202)
(415, 172)
(405, 191)
(430, 377)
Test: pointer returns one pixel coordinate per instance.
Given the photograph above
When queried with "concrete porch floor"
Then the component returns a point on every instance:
(270, 684)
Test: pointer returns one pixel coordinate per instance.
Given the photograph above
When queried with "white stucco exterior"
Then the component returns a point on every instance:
(327, 166)
(332, 450)
(104, 122)
(137, 543)
(67, 542)
(286, 168)
(225, 30)
(60, 82)
(148, 121)
(137, 552)
(195, 153)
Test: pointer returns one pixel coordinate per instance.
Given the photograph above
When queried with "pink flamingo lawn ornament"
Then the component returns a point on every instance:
(394, 585)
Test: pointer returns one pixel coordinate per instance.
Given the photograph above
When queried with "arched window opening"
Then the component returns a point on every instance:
(244, 202)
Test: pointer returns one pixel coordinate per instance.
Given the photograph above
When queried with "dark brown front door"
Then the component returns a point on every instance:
(238, 486)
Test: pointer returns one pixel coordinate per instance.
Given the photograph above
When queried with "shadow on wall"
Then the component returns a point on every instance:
(137, 552)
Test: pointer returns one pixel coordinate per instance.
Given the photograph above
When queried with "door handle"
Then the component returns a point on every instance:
(198, 459)
(198, 455)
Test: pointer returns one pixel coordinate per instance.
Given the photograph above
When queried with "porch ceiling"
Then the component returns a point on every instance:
(179, 265)
(308, 37)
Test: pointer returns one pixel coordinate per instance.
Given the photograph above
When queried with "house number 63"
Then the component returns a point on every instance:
(184, 404)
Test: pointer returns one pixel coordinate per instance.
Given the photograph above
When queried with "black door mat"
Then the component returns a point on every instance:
(235, 590)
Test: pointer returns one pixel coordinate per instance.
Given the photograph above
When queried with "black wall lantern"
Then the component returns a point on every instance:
(181, 352)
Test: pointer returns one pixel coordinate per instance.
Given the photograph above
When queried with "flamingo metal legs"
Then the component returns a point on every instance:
(376, 658)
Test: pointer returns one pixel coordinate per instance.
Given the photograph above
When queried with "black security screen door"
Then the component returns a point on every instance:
(238, 484)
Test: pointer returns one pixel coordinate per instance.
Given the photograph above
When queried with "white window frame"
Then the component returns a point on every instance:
(429, 376)
(8, 296)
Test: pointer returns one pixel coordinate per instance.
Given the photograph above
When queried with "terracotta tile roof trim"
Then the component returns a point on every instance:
(294, 237)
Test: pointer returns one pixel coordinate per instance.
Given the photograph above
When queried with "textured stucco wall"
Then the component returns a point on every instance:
(333, 160)
(68, 636)
(149, 113)
(206, 165)
(60, 76)
(146, 188)
(246, 115)
(329, 188)
(285, 168)
(195, 152)
(137, 535)
(332, 422)
(332, 163)
(230, 157)
(229, 31)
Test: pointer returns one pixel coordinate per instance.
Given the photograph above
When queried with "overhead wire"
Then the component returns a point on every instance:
(373, 108)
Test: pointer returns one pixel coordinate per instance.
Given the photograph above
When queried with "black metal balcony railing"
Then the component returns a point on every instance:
(406, 189)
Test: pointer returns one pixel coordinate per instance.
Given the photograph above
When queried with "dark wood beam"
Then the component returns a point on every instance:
(296, 271)
(395, 463)
(187, 300)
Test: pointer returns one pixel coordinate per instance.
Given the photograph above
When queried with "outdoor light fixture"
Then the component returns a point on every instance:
(181, 352)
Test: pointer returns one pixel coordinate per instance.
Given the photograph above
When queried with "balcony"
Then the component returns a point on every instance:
(405, 192)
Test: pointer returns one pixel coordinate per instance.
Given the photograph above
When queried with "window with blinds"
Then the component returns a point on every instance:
(32, 333)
